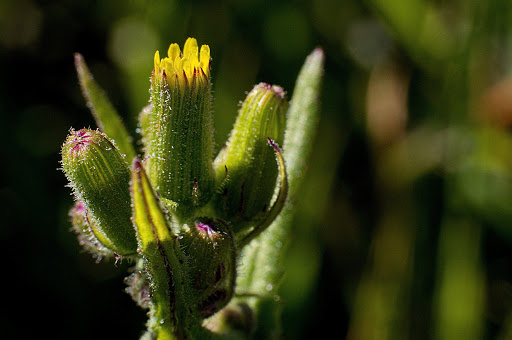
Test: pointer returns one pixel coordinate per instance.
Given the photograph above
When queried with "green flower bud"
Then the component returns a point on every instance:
(138, 286)
(81, 225)
(210, 250)
(100, 178)
(246, 167)
(177, 129)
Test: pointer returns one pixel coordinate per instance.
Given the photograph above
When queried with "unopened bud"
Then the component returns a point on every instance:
(100, 178)
(178, 130)
(138, 286)
(246, 167)
(209, 247)
(81, 225)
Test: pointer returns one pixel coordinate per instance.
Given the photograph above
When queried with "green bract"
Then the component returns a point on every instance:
(183, 217)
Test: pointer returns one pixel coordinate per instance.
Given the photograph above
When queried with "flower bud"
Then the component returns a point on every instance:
(178, 129)
(210, 250)
(81, 225)
(100, 178)
(246, 167)
(138, 286)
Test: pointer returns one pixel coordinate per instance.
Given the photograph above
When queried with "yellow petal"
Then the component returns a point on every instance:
(157, 62)
(190, 49)
(168, 66)
(173, 51)
(205, 59)
(178, 64)
(188, 68)
(181, 67)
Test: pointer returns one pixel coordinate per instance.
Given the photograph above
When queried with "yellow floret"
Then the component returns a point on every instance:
(183, 67)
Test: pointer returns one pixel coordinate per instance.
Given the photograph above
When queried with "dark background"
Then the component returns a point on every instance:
(404, 227)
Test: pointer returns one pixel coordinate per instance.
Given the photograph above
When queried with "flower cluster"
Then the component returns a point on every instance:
(182, 214)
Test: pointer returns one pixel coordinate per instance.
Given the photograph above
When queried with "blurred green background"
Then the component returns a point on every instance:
(404, 230)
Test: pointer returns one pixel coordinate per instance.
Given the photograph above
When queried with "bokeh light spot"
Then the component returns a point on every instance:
(20, 23)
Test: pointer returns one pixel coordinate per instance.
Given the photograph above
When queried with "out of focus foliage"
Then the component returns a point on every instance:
(405, 227)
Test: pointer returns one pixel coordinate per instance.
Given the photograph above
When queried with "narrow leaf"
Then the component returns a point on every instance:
(106, 116)
(303, 118)
(150, 220)
(162, 259)
(172, 314)
(261, 259)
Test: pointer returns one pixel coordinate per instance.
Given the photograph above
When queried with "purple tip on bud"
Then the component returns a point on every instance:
(79, 207)
(80, 139)
(205, 229)
(99, 176)
(277, 91)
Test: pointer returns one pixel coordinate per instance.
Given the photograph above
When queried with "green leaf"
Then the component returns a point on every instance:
(150, 220)
(106, 116)
(261, 259)
(158, 247)
(303, 117)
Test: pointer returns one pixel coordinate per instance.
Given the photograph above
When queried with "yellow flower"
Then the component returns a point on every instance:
(187, 68)
(177, 130)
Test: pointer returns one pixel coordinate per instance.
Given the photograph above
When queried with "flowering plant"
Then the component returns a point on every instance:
(189, 221)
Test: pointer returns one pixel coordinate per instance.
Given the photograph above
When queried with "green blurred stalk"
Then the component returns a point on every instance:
(459, 302)
(418, 26)
(382, 306)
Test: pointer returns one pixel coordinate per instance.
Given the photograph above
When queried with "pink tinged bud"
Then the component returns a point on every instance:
(138, 288)
(99, 177)
(81, 225)
(209, 247)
